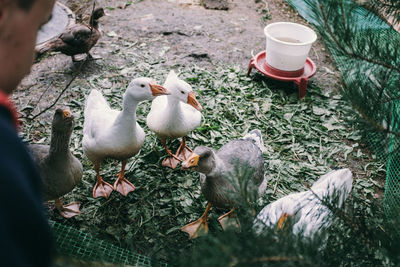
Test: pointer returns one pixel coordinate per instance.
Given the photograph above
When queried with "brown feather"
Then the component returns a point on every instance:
(76, 39)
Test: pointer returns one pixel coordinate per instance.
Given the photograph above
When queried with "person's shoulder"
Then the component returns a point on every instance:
(24, 218)
(16, 164)
(9, 139)
(6, 127)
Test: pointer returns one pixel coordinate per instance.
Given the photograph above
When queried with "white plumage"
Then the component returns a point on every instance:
(308, 213)
(170, 115)
(174, 116)
(109, 133)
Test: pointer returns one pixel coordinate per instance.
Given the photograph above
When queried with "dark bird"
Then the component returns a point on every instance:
(60, 170)
(76, 39)
(218, 175)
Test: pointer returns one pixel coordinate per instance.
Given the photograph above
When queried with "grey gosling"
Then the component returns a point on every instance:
(216, 169)
(60, 170)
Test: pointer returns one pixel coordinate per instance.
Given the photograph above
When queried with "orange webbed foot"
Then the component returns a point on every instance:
(183, 152)
(102, 188)
(123, 186)
(229, 220)
(199, 227)
(196, 228)
(67, 211)
(171, 162)
(70, 210)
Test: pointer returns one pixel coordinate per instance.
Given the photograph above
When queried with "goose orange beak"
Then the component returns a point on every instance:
(282, 221)
(158, 90)
(193, 101)
(192, 161)
(66, 113)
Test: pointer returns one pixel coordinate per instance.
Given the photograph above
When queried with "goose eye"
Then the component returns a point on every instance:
(142, 85)
(182, 92)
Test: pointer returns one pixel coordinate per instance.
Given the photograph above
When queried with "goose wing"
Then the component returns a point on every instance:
(98, 115)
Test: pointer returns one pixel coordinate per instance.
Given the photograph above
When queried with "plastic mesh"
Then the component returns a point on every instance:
(384, 145)
(76, 244)
(392, 187)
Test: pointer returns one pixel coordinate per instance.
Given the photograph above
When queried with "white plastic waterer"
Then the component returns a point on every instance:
(288, 45)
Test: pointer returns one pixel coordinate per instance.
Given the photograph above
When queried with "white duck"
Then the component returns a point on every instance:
(174, 116)
(305, 208)
(109, 133)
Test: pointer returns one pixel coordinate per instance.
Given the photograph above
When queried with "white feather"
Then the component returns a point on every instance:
(170, 116)
(309, 214)
(114, 133)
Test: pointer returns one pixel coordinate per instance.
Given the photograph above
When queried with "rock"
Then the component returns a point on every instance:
(216, 4)
(199, 55)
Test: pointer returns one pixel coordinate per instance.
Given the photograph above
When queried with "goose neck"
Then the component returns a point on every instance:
(218, 166)
(94, 22)
(129, 108)
(60, 142)
(173, 103)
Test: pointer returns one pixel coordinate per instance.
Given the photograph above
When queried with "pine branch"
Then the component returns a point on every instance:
(369, 120)
(342, 215)
(351, 53)
(388, 11)
(328, 28)
(281, 259)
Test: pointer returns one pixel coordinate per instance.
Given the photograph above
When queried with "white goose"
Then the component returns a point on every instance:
(109, 133)
(174, 116)
(309, 215)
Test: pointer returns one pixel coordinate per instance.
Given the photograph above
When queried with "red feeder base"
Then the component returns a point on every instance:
(299, 77)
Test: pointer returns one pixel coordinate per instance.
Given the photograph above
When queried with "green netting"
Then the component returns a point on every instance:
(357, 72)
(392, 187)
(73, 243)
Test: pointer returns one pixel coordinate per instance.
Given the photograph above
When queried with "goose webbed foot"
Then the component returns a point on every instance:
(121, 184)
(229, 220)
(172, 161)
(102, 188)
(68, 211)
(199, 227)
(183, 152)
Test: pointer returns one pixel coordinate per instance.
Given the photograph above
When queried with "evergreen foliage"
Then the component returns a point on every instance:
(366, 51)
(388, 10)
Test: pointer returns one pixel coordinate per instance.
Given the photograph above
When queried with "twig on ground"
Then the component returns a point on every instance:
(62, 92)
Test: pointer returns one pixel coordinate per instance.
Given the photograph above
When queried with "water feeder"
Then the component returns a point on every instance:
(286, 54)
